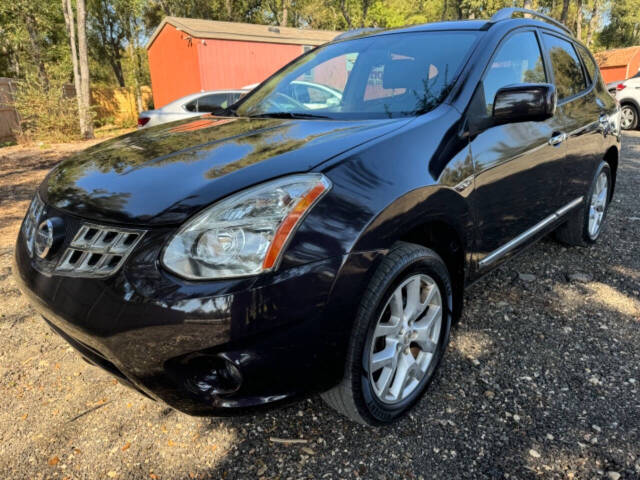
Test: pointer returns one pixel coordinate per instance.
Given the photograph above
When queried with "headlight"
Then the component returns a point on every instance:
(245, 233)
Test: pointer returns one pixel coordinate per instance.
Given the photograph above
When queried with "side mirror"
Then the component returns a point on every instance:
(524, 102)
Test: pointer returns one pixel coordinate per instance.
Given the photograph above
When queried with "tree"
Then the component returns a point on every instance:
(106, 36)
(80, 62)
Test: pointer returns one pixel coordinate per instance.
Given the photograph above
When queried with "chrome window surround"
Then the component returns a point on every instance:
(98, 251)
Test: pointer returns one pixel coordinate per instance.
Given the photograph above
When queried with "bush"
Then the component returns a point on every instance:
(45, 113)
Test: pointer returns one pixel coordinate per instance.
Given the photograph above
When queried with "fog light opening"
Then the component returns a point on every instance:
(215, 376)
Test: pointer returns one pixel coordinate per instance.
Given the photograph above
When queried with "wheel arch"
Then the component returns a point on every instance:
(611, 156)
(435, 217)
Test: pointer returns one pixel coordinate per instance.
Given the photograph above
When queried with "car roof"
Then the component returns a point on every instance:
(464, 25)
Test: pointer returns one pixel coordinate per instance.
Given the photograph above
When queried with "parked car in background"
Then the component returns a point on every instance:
(284, 247)
(627, 92)
(312, 95)
(190, 106)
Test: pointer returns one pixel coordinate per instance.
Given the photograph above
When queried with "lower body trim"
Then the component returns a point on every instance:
(524, 236)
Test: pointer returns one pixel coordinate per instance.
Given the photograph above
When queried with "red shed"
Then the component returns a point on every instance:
(188, 55)
(618, 64)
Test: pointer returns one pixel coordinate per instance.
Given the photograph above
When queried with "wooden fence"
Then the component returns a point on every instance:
(111, 106)
(9, 121)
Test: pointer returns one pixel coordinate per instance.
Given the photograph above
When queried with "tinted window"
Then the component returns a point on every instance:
(567, 71)
(211, 103)
(518, 60)
(372, 77)
(589, 63)
(192, 106)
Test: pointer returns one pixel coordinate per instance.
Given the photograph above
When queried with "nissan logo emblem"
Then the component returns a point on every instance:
(48, 234)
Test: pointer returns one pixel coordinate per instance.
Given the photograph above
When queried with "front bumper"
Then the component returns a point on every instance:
(284, 333)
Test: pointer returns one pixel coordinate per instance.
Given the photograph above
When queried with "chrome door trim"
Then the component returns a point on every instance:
(510, 245)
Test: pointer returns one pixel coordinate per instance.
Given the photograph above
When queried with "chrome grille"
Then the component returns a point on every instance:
(97, 250)
(31, 221)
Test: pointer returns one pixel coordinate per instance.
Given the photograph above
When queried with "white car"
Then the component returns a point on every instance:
(312, 95)
(190, 106)
(627, 92)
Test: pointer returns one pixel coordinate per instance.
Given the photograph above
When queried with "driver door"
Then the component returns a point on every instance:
(517, 166)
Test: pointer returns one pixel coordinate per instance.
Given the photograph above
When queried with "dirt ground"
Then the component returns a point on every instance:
(541, 380)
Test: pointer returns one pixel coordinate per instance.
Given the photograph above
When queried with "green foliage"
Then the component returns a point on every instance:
(624, 28)
(34, 45)
(45, 113)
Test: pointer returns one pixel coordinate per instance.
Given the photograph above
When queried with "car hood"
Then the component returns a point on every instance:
(164, 174)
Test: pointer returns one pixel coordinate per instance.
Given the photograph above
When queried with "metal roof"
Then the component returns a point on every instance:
(199, 28)
(619, 57)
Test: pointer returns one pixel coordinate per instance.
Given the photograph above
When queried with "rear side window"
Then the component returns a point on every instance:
(211, 103)
(589, 63)
(567, 71)
(518, 60)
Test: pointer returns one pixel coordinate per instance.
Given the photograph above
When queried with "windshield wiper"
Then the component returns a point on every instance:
(287, 115)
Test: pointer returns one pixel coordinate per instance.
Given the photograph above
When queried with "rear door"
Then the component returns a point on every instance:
(580, 110)
(517, 169)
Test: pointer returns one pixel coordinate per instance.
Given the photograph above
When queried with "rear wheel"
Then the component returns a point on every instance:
(586, 223)
(628, 117)
(399, 337)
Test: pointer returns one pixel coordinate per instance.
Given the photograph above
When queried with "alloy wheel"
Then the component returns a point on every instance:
(627, 117)
(598, 204)
(405, 338)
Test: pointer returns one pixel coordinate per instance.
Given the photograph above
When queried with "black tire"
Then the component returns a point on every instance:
(633, 113)
(354, 396)
(575, 231)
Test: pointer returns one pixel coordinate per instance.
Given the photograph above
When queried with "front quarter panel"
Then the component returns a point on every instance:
(387, 188)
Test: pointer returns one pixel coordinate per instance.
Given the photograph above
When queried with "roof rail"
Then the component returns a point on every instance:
(356, 32)
(507, 13)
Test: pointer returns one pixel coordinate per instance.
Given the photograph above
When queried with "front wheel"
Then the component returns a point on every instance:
(628, 117)
(399, 337)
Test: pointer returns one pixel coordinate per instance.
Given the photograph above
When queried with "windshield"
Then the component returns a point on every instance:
(402, 74)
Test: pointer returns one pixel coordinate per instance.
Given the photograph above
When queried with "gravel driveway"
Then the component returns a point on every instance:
(541, 380)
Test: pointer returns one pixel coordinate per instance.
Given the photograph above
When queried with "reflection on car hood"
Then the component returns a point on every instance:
(164, 174)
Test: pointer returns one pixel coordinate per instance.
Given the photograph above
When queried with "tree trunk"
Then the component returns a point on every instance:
(365, 12)
(579, 21)
(86, 122)
(32, 29)
(444, 10)
(593, 22)
(228, 9)
(565, 11)
(345, 13)
(285, 13)
(67, 10)
(116, 65)
(137, 76)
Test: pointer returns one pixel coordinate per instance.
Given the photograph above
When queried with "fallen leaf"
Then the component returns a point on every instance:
(126, 446)
(53, 461)
(111, 474)
(154, 476)
(171, 443)
(24, 417)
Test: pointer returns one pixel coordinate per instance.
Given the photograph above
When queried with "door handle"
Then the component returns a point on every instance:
(557, 139)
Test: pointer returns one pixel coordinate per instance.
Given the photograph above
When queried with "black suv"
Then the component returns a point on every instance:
(322, 243)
